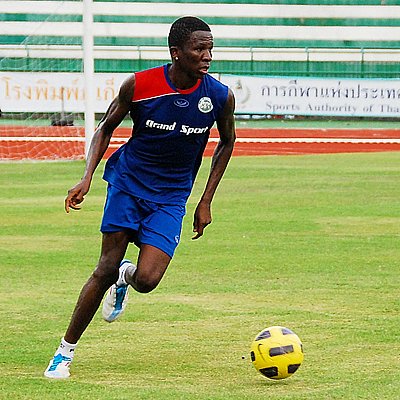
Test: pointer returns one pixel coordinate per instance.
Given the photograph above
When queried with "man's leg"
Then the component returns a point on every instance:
(151, 266)
(106, 273)
(152, 263)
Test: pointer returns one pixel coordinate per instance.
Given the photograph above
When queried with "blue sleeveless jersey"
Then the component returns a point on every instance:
(170, 131)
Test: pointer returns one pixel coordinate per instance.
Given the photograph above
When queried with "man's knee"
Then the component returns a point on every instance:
(114, 245)
(106, 272)
(146, 283)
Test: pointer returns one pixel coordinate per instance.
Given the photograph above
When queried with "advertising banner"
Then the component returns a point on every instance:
(315, 96)
(56, 92)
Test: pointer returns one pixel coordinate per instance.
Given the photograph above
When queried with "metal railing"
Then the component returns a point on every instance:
(243, 60)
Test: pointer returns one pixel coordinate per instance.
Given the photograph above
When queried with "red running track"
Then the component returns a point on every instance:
(48, 142)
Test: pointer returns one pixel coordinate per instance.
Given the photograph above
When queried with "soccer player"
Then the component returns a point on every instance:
(173, 108)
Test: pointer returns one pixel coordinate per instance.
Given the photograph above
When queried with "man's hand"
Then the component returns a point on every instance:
(114, 115)
(202, 218)
(76, 195)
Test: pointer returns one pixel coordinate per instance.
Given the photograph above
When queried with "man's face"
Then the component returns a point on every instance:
(196, 54)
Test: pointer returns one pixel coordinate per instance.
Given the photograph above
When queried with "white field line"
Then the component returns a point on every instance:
(41, 139)
(115, 142)
(310, 140)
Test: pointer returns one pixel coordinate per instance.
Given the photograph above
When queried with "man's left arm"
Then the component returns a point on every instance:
(220, 160)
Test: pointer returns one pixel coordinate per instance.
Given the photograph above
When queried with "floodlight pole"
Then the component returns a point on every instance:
(88, 72)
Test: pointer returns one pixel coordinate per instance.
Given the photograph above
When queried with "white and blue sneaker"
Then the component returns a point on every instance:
(117, 296)
(58, 367)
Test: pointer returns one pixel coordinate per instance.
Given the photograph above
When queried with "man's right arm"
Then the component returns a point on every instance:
(116, 112)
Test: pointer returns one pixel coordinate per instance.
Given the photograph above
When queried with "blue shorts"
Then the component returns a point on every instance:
(150, 223)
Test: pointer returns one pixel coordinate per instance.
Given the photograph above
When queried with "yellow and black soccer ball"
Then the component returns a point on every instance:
(277, 352)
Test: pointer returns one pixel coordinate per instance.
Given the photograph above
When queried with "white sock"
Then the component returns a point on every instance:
(122, 270)
(66, 349)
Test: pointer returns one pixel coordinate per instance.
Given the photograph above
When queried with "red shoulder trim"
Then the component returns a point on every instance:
(190, 90)
(151, 83)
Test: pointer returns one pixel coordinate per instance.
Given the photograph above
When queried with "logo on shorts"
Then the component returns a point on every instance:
(176, 239)
(205, 105)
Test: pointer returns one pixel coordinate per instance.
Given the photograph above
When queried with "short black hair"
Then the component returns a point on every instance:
(182, 28)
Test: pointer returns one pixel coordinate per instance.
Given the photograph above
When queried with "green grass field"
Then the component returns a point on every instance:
(307, 242)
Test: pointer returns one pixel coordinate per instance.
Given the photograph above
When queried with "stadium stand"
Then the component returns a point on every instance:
(281, 37)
